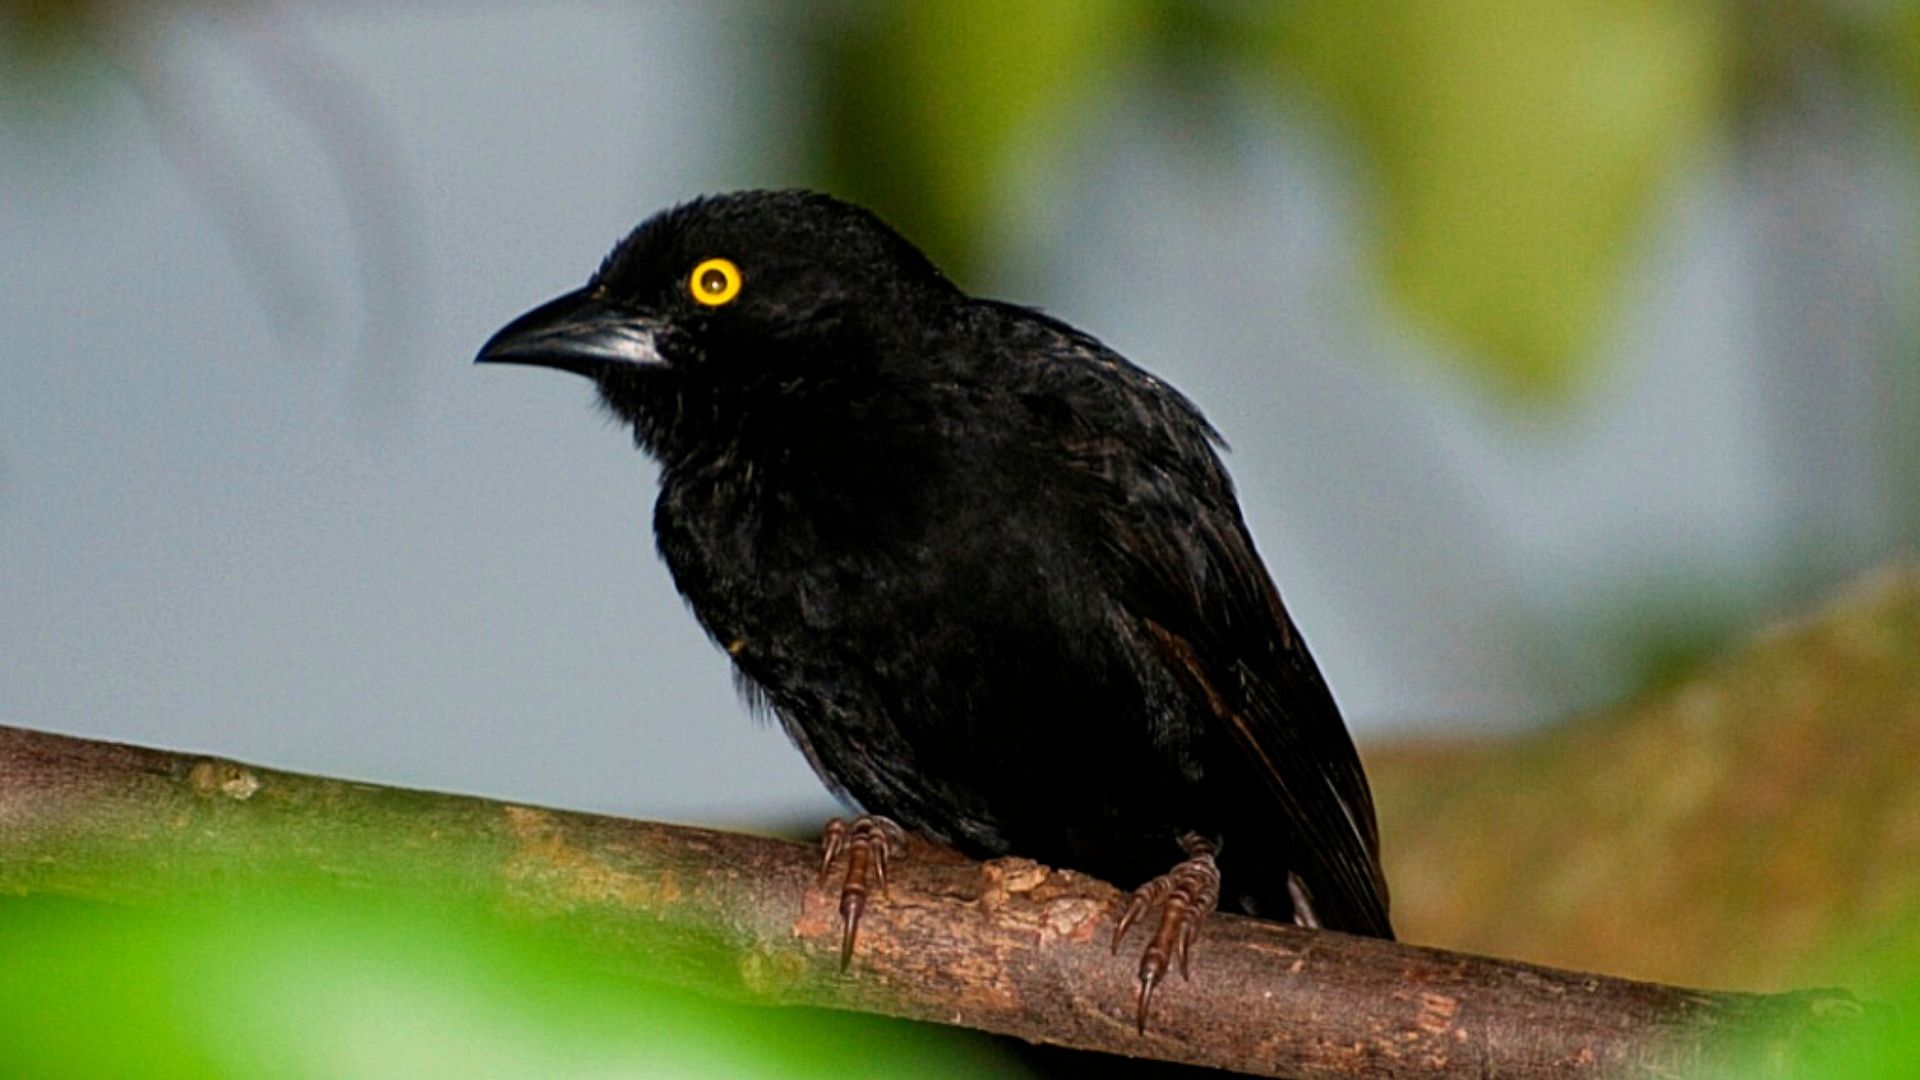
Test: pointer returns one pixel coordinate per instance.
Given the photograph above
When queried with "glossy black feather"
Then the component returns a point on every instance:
(991, 577)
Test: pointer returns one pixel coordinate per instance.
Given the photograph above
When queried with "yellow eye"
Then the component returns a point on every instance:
(714, 282)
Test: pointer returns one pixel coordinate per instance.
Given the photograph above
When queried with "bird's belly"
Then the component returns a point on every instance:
(962, 671)
(971, 715)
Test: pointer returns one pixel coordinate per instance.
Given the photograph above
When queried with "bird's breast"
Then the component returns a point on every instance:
(940, 658)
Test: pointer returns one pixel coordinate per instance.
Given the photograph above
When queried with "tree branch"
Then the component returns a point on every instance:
(1007, 946)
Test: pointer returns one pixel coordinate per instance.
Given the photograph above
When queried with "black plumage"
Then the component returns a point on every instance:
(991, 577)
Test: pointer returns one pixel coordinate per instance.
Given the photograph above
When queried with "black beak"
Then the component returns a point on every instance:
(579, 333)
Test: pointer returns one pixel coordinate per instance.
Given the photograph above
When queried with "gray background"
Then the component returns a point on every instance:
(231, 527)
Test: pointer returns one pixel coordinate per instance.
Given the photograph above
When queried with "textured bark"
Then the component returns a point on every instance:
(1006, 946)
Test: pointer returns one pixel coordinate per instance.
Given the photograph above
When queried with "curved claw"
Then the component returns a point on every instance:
(1143, 898)
(1148, 980)
(869, 843)
(1186, 945)
(852, 905)
(1176, 925)
(832, 839)
(1185, 895)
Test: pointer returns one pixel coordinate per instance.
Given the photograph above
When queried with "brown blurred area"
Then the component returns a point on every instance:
(1755, 826)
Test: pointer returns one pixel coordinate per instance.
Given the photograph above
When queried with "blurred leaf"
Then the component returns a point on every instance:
(1886, 39)
(300, 985)
(52, 71)
(1890, 1053)
(30, 26)
(1884, 1047)
(1903, 49)
(1519, 147)
(930, 106)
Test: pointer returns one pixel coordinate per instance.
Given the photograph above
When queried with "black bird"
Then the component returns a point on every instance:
(991, 576)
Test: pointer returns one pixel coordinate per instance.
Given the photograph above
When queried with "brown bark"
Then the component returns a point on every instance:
(1006, 946)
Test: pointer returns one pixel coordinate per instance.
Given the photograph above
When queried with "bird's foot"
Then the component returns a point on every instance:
(1184, 895)
(870, 843)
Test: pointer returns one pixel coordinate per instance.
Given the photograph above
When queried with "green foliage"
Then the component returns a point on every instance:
(929, 107)
(1518, 148)
(1891, 1052)
(51, 70)
(1884, 1046)
(296, 985)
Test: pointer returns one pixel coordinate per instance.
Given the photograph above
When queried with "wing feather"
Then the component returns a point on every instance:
(1188, 576)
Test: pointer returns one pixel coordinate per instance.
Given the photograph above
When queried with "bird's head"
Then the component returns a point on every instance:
(719, 311)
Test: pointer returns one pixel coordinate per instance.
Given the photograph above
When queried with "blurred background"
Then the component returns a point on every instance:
(1553, 348)
(1558, 346)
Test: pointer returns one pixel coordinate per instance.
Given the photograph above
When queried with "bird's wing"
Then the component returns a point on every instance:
(1189, 580)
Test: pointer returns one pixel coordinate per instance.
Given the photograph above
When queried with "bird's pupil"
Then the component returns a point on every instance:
(713, 281)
